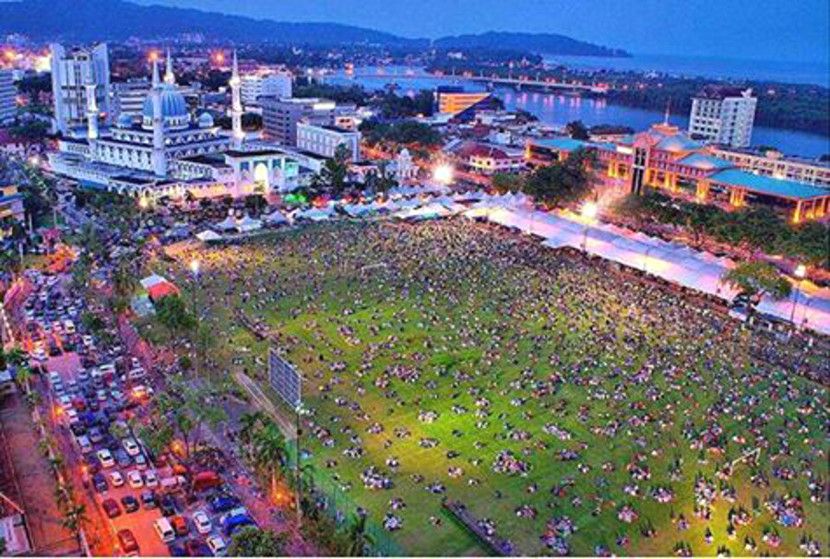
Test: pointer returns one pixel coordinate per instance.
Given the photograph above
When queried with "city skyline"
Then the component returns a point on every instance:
(734, 29)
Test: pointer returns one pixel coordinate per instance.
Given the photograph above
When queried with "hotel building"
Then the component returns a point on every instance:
(75, 73)
(723, 115)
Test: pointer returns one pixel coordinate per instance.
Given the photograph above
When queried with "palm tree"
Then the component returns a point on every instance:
(359, 541)
(270, 451)
(250, 424)
(62, 497)
(75, 518)
(24, 376)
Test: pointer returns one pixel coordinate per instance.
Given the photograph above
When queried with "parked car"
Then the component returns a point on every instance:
(135, 480)
(105, 457)
(197, 548)
(148, 499)
(202, 522)
(206, 480)
(223, 503)
(128, 543)
(111, 508)
(216, 545)
(129, 503)
(116, 478)
(99, 482)
(179, 525)
(167, 505)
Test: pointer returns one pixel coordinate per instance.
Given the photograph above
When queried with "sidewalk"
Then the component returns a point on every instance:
(37, 483)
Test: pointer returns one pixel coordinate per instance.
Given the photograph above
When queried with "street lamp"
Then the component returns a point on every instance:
(443, 174)
(589, 213)
(799, 272)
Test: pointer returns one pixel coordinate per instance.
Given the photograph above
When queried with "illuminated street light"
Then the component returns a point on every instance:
(590, 210)
(443, 174)
(800, 272)
(143, 203)
(194, 267)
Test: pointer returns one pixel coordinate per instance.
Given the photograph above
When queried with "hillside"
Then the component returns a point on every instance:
(542, 43)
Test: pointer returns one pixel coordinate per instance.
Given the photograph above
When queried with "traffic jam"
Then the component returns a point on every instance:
(96, 395)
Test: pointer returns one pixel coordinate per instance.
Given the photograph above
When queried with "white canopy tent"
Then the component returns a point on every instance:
(677, 263)
(207, 236)
(248, 224)
(227, 224)
(275, 218)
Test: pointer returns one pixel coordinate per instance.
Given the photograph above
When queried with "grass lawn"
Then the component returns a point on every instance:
(586, 376)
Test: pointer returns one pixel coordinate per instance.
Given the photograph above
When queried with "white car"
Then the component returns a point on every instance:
(135, 480)
(116, 479)
(202, 522)
(106, 459)
(131, 447)
(217, 545)
(150, 478)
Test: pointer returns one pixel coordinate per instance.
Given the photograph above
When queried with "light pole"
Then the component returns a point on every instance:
(799, 273)
(297, 474)
(589, 213)
(195, 267)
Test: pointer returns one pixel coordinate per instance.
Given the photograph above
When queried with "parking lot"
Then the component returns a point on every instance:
(92, 393)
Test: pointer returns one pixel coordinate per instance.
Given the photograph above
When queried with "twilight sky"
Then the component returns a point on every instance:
(765, 29)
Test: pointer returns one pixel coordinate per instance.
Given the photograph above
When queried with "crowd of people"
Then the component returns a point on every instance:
(569, 404)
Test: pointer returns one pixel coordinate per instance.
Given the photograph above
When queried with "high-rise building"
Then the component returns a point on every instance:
(453, 100)
(257, 85)
(325, 139)
(723, 115)
(128, 97)
(72, 71)
(8, 94)
(281, 115)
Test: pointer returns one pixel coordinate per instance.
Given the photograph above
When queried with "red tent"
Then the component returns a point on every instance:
(161, 290)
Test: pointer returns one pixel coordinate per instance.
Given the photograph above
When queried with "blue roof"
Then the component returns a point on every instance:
(705, 162)
(565, 144)
(768, 185)
(678, 142)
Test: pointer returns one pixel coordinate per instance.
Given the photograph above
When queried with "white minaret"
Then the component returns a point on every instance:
(236, 104)
(169, 77)
(91, 112)
(159, 157)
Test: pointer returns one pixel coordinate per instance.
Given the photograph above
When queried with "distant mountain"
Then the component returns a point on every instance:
(116, 20)
(542, 43)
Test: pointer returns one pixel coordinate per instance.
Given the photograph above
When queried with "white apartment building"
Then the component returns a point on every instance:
(723, 115)
(72, 71)
(8, 96)
(324, 140)
(255, 86)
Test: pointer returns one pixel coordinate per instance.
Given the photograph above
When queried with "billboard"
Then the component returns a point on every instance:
(284, 379)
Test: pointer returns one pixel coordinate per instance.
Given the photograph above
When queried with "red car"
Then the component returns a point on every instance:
(129, 545)
(111, 507)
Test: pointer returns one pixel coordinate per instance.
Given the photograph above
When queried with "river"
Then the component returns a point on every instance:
(558, 110)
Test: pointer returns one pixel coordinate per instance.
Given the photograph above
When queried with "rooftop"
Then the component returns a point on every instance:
(767, 185)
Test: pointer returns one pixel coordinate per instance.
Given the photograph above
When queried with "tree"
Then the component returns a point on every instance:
(270, 453)
(359, 541)
(756, 279)
(30, 133)
(336, 170)
(507, 182)
(74, 518)
(577, 130)
(173, 314)
(24, 377)
(250, 541)
(563, 182)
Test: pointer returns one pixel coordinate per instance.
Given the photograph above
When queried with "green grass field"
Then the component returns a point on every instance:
(518, 349)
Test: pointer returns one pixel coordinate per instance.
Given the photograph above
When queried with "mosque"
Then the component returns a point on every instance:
(168, 153)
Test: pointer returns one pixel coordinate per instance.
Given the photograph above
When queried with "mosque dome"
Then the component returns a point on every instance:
(205, 120)
(173, 108)
(124, 121)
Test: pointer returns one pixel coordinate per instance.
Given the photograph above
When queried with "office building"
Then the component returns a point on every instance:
(281, 115)
(775, 164)
(128, 97)
(723, 115)
(11, 209)
(73, 71)
(462, 105)
(8, 96)
(258, 85)
(666, 159)
(325, 139)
